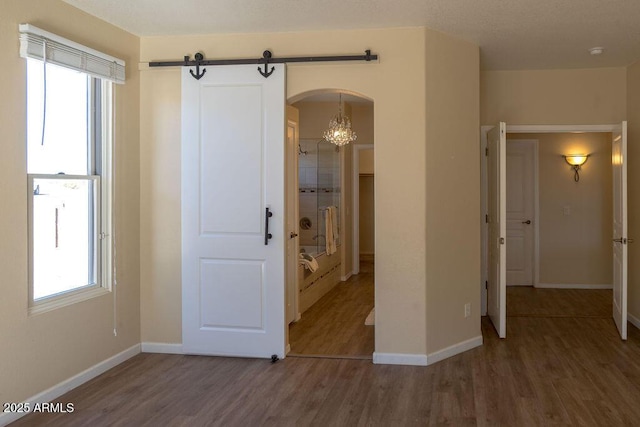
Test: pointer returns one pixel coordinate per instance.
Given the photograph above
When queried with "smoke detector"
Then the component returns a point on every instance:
(596, 51)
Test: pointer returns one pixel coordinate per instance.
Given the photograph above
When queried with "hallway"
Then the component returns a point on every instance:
(334, 326)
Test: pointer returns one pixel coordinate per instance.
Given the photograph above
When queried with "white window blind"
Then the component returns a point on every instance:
(66, 53)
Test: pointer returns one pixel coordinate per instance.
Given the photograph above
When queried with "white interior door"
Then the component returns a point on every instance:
(520, 212)
(620, 232)
(293, 139)
(497, 192)
(233, 123)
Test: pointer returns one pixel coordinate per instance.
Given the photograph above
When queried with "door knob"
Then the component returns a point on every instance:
(618, 240)
(527, 221)
(292, 235)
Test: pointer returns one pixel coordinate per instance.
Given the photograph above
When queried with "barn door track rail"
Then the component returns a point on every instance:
(267, 58)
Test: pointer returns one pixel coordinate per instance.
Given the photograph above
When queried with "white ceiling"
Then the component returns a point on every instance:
(512, 34)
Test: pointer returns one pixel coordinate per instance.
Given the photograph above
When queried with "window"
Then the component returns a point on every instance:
(69, 172)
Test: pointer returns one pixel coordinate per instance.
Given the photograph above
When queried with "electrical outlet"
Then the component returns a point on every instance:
(467, 309)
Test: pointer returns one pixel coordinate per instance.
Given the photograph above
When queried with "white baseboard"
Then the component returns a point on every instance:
(345, 278)
(633, 320)
(571, 286)
(399, 359)
(71, 383)
(162, 347)
(461, 347)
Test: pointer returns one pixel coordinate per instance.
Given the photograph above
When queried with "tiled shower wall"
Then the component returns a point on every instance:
(319, 181)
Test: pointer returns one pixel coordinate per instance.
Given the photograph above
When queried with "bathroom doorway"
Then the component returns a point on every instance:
(335, 298)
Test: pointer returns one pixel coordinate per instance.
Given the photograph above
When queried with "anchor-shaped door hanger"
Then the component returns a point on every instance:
(198, 59)
(266, 56)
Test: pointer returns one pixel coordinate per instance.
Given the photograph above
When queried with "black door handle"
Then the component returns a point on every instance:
(527, 221)
(267, 235)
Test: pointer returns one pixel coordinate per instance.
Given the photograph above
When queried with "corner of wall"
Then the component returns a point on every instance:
(452, 231)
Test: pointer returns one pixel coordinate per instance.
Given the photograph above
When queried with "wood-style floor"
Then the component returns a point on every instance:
(549, 371)
(334, 326)
(527, 301)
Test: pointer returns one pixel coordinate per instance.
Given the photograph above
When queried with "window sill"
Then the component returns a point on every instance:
(64, 300)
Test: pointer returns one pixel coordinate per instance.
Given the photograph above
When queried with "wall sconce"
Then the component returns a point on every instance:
(576, 161)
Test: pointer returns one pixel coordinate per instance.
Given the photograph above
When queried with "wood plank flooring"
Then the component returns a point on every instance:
(334, 326)
(527, 301)
(549, 371)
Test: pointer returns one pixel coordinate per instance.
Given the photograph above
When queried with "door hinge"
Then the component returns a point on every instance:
(486, 284)
(486, 218)
(486, 151)
(502, 240)
(102, 236)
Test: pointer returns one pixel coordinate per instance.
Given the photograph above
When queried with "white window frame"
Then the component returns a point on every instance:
(103, 207)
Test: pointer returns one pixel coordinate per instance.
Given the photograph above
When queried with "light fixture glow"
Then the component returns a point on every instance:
(340, 132)
(576, 161)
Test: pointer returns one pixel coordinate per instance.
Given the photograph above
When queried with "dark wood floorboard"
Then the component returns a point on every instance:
(528, 301)
(334, 326)
(549, 371)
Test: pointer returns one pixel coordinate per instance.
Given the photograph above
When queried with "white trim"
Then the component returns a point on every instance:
(455, 349)
(55, 302)
(346, 276)
(355, 232)
(42, 45)
(536, 213)
(633, 320)
(73, 382)
(161, 347)
(399, 359)
(287, 349)
(563, 128)
(484, 227)
(572, 286)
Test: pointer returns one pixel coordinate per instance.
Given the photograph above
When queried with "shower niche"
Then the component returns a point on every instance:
(319, 188)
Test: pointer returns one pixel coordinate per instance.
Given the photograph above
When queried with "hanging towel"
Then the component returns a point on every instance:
(334, 226)
(330, 229)
(308, 261)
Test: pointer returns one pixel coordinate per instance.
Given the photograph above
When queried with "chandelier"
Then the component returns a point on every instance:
(340, 132)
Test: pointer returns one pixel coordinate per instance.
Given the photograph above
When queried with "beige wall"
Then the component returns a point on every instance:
(593, 96)
(574, 248)
(633, 116)
(397, 85)
(362, 122)
(367, 214)
(315, 117)
(401, 275)
(365, 162)
(453, 190)
(42, 350)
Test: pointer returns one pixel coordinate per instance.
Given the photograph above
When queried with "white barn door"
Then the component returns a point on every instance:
(233, 141)
(497, 189)
(620, 231)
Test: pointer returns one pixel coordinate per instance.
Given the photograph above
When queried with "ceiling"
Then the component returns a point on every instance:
(512, 34)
